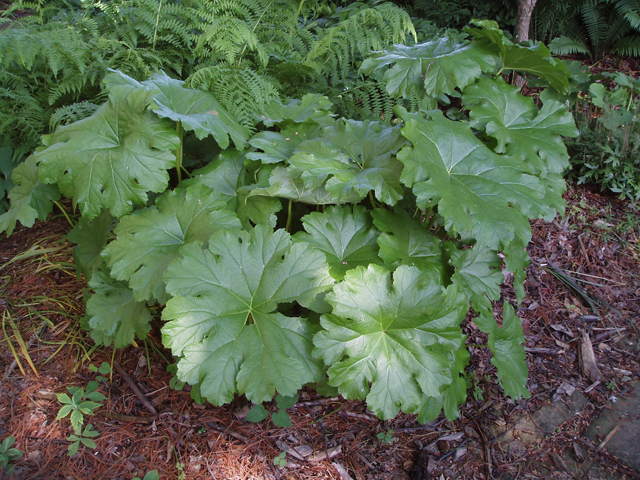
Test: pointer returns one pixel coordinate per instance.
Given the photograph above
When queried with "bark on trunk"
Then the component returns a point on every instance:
(523, 19)
(523, 22)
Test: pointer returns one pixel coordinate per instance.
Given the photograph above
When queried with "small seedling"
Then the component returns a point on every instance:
(79, 404)
(386, 437)
(8, 454)
(612, 385)
(83, 438)
(103, 369)
(180, 468)
(281, 460)
(281, 417)
(202, 430)
(152, 475)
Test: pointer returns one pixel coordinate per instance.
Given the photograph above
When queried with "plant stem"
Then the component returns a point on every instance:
(155, 31)
(288, 226)
(64, 213)
(180, 133)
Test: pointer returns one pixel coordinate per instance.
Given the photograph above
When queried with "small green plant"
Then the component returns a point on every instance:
(607, 151)
(280, 460)
(612, 385)
(386, 437)
(80, 403)
(152, 475)
(181, 473)
(281, 417)
(103, 369)
(82, 437)
(8, 454)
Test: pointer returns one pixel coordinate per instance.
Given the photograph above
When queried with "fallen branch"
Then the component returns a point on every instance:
(134, 387)
(228, 431)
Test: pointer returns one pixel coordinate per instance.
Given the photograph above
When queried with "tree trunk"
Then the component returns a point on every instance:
(523, 19)
(523, 22)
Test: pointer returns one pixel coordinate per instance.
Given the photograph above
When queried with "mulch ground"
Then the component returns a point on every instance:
(597, 244)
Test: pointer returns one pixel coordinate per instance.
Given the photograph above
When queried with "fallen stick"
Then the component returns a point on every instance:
(228, 431)
(125, 418)
(145, 401)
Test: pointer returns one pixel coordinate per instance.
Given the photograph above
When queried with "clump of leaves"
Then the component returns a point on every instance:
(81, 402)
(281, 417)
(386, 437)
(607, 151)
(8, 454)
(83, 437)
(337, 252)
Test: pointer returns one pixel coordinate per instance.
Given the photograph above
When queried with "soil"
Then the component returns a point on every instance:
(596, 244)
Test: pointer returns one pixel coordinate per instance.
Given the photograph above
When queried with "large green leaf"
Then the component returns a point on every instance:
(477, 190)
(199, 111)
(149, 239)
(112, 158)
(353, 157)
(535, 59)
(406, 241)
(276, 147)
(432, 68)
(521, 130)
(30, 198)
(313, 108)
(346, 237)
(91, 238)
(508, 354)
(114, 315)
(397, 335)
(477, 275)
(288, 183)
(223, 320)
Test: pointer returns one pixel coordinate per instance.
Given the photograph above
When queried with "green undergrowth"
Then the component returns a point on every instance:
(312, 248)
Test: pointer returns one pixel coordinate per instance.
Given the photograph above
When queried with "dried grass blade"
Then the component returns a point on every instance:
(23, 347)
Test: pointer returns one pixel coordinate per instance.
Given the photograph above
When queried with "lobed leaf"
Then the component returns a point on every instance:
(535, 59)
(30, 198)
(520, 129)
(432, 68)
(391, 340)
(508, 353)
(199, 111)
(90, 237)
(405, 241)
(477, 191)
(352, 158)
(112, 158)
(149, 239)
(223, 320)
(346, 236)
(114, 314)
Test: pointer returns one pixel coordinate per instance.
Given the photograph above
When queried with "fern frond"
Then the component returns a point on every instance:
(629, 45)
(630, 10)
(567, 46)
(71, 113)
(364, 99)
(368, 30)
(241, 90)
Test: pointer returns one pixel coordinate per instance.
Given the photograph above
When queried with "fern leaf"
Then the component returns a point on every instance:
(567, 46)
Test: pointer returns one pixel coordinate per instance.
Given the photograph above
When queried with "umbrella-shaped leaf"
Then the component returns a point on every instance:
(406, 241)
(432, 68)
(391, 340)
(112, 158)
(223, 320)
(91, 238)
(521, 130)
(346, 237)
(149, 239)
(353, 158)
(535, 59)
(114, 315)
(30, 198)
(313, 108)
(199, 111)
(477, 190)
